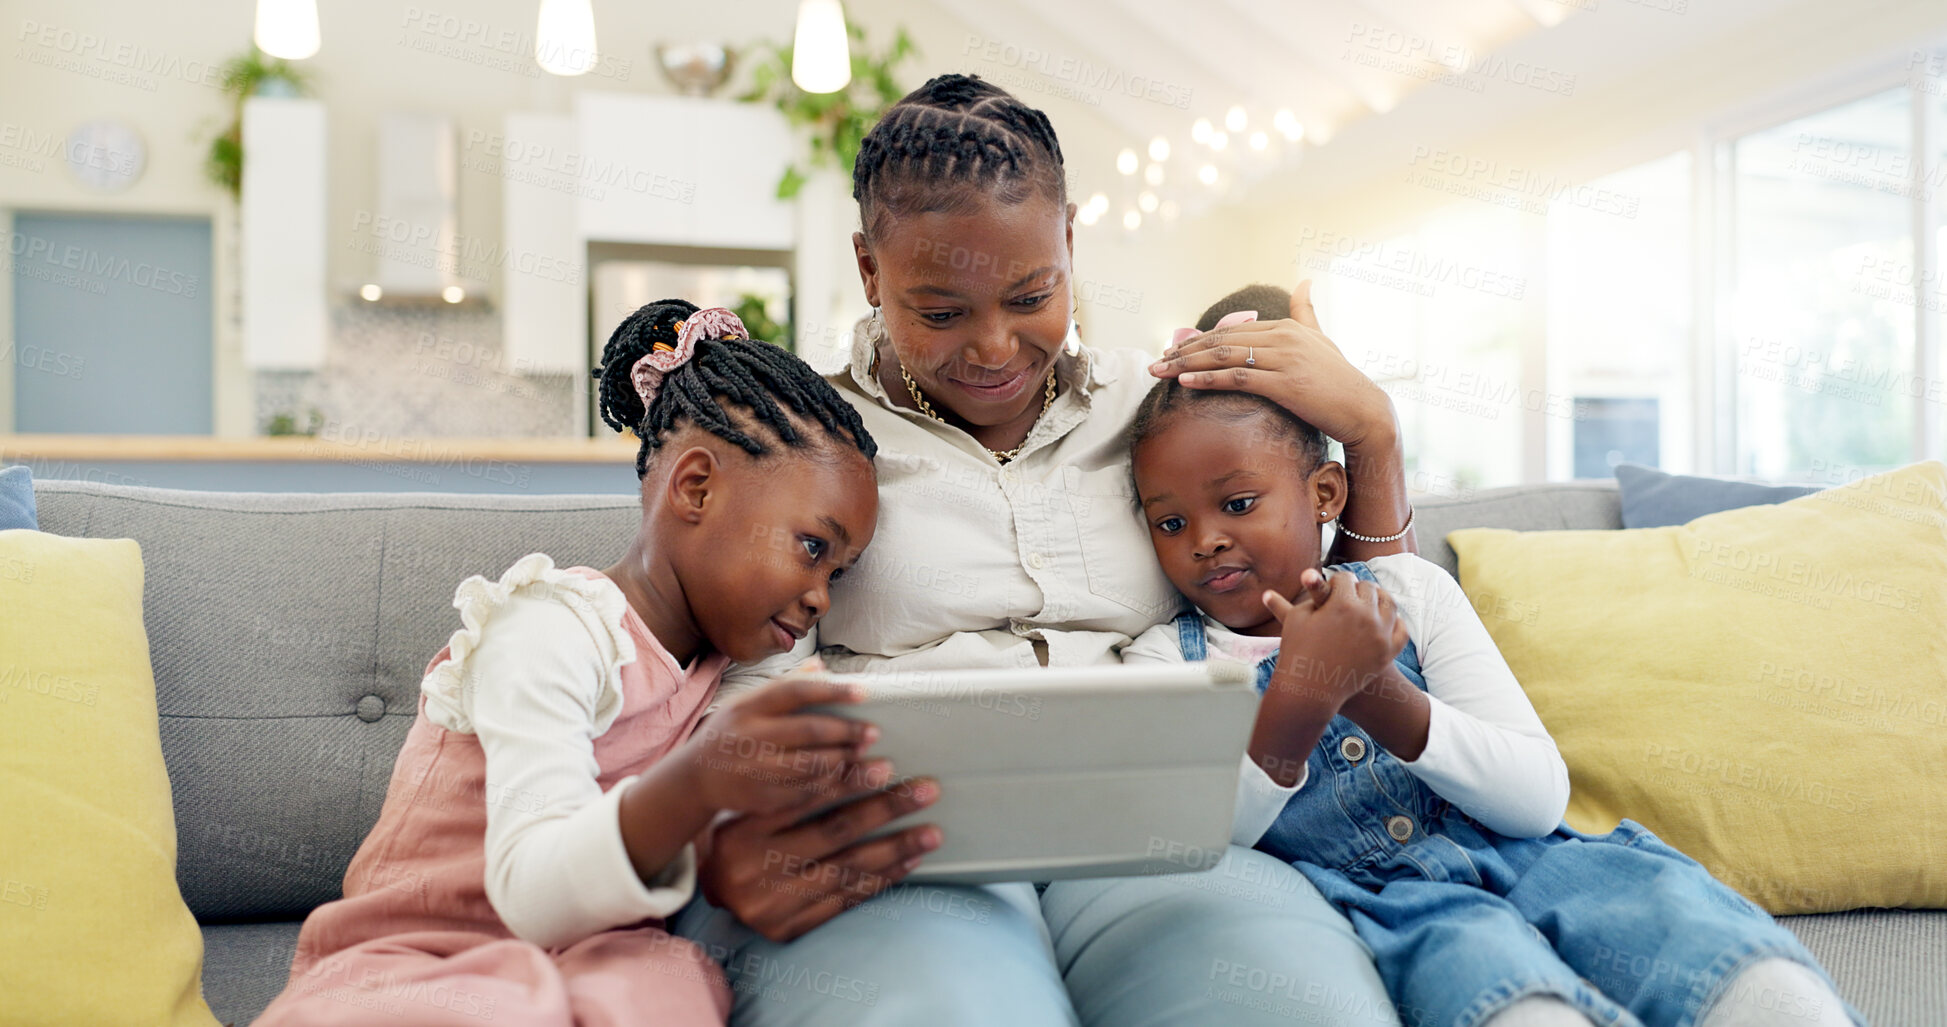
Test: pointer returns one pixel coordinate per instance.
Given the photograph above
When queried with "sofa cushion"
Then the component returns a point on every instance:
(245, 966)
(1719, 682)
(92, 927)
(17, 498)
(1890, 963)
(1657, 499)
(288, 634)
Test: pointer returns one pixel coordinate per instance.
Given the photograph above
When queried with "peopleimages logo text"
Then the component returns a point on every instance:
(1077, 72)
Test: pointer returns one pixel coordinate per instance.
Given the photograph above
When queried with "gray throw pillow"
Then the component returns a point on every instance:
(17, 499)
(1656, 499)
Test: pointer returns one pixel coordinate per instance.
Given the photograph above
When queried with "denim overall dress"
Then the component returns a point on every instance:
(1462, 921)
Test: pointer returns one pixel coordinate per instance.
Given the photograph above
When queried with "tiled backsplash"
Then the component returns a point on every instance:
(420, 372)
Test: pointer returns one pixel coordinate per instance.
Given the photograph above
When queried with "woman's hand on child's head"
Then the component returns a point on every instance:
(1290, 362)
(764, 754)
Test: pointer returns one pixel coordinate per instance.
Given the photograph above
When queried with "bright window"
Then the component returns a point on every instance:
(1821, 291)
(1809, 348)
(1619, 339)
(1434, 316)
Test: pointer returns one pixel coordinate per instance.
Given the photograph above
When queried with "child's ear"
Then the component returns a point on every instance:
(1328, 489)
(692, 477)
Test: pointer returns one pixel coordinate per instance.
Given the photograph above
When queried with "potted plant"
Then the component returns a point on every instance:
(244, 76)
(837, 122)
(755, 312)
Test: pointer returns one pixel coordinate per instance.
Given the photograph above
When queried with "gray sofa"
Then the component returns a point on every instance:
(289, 633)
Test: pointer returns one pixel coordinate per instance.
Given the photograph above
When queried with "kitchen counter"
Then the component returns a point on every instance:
(21, 448)
(345, 463)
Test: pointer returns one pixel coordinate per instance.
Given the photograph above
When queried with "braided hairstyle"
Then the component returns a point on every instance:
(1167, 398)
(728, 388)
(950, 143)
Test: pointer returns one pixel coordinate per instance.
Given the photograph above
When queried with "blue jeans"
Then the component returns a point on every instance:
(1462, 921)
(1248, 942)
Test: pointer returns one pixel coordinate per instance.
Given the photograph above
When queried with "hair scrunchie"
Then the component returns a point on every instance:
(712, 323)
(1235, 317)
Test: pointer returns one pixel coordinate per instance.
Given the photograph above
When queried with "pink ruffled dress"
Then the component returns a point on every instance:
(415, 939)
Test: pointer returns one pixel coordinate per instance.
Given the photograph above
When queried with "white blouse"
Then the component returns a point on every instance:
(975, 563)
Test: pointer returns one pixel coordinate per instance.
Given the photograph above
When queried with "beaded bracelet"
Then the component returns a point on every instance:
(1349, 533)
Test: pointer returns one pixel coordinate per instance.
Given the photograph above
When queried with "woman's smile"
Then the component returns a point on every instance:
(991, 390)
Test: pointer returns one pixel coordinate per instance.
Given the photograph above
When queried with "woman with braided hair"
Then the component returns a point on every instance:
(1009, 537)
(538, 826)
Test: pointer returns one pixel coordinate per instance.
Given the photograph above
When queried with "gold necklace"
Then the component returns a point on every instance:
(1000, 455)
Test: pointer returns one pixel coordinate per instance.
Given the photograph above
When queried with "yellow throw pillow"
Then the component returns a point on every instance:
(1764, 688)
(92, 927)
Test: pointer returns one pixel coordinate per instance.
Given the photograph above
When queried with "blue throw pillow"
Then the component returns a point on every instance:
(1656, 499)
(17, 499)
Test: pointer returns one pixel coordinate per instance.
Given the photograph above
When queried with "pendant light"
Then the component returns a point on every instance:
(287, 28)
(821, 55)
(564, 37)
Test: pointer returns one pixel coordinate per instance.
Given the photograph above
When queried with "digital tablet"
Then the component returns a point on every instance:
(1053, 773)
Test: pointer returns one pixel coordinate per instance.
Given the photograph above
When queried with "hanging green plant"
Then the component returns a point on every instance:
(755, 312)
(838, 121)
(245, 76)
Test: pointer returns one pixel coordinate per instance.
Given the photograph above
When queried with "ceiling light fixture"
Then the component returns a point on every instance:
(564, 37)
(821, 54)
(287, 28)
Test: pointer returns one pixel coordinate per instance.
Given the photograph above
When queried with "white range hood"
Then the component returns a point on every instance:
(413, 228)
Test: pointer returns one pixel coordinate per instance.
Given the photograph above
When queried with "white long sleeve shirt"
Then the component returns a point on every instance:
(537, 680)
(1486, 750)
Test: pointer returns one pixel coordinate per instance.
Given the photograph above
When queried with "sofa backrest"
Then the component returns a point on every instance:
(1590, 505)
(288, 634)
(289, 631)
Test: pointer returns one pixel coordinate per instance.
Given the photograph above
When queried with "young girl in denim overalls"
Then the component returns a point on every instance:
(1420, 792)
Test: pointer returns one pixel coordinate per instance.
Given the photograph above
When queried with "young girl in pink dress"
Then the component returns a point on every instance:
(538, 825)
